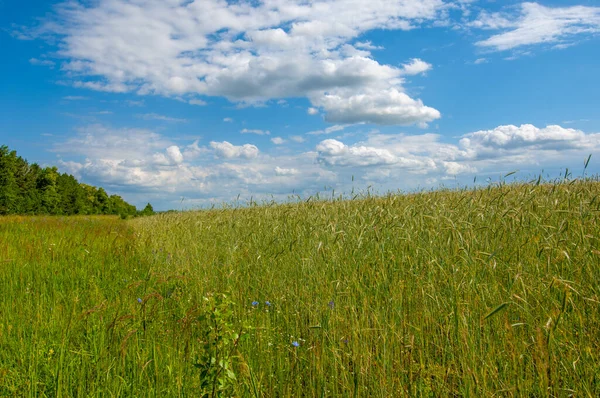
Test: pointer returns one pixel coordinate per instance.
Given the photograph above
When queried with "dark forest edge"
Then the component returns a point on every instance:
(28, 189)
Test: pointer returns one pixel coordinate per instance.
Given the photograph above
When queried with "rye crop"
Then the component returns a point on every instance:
(480, 292)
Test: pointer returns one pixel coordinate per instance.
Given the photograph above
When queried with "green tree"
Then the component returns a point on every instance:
(102, 203)
(30, 189)
(72, 195)
(29, 199)
(119, 207)
(148, 210)
(46, 185)
(90, 199)
(9, 190)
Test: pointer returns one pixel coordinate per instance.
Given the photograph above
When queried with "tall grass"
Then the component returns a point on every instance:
(482, 292)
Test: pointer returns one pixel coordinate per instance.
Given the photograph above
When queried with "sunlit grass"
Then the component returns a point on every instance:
(472, 293)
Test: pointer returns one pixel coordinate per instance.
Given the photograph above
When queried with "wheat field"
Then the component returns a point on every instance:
(477, 292)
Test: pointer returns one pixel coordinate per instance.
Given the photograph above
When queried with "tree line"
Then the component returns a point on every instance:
(32, 190)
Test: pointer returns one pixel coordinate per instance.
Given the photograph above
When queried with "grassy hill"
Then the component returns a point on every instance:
(468, 293)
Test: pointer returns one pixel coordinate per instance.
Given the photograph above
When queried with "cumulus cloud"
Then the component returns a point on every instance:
(97, 142)
(246, 51)
(171, 157)
(143, 165)
(174, 154)
(141, 162)
(194, 151)
(285, 172)
(416, 66)
(336, 153)
(386, 107)
(388, 158)
(277, 140)
(312, 111)
(503, 139)
(132, 158)
(367, 45)
(227, 150)
(538, 24)
(480, 151)
(455, 168)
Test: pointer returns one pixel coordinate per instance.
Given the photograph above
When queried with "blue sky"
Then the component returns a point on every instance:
(210, 99)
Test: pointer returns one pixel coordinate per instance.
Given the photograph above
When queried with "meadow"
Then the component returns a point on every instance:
(484, 292)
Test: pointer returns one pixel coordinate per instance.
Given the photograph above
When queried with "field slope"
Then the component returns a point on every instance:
(464, 293)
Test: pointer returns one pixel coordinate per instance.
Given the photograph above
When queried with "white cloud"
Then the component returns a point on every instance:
(416, 66)
(143, 166)
(123, 159)
(277, 140)
(75, 98)
(285, 172)
(154, 116)
(454, 168)
(135, 103)
(479, 150)
(386, 107)
(228, 120)
(382, 158)
(102, 86)
(480, 61)
(194, 151)
(297, 138)
(198, 102)
(255, 131)
(312, 111)
(538, 24)
(97, 142)
(227, 150)
(174, 154)
(42, 62)
(328, 130)
(248, 52)
(493, 21)
(502, 139)
(146, 166)
(335, 153)
(367, 45)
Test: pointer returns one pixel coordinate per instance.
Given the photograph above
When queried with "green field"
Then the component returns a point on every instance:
(494, 291)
